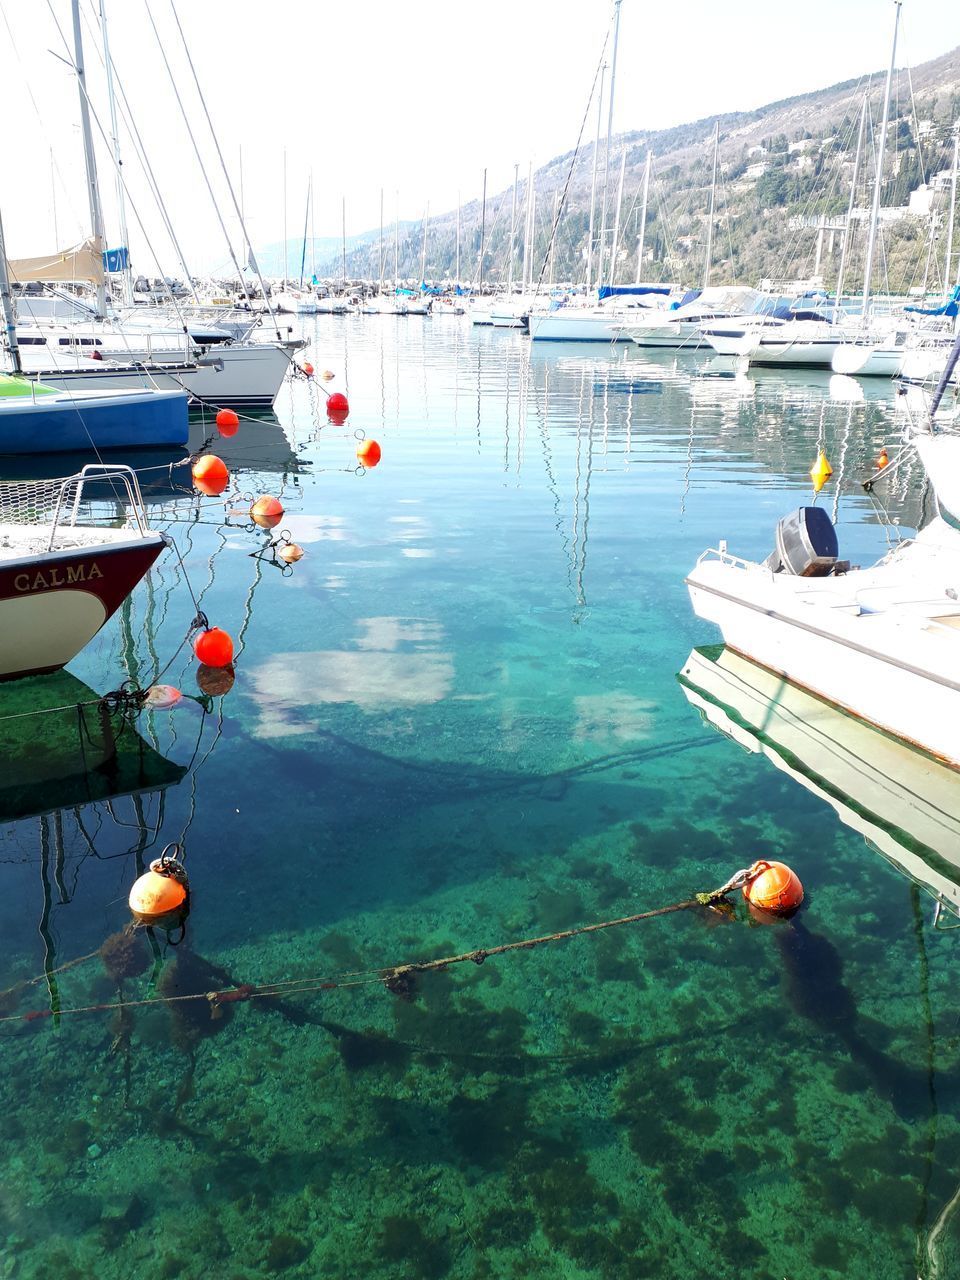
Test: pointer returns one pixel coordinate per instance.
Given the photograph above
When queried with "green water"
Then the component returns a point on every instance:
(456, 722)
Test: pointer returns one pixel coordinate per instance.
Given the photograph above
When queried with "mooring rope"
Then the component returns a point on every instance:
(398, 978)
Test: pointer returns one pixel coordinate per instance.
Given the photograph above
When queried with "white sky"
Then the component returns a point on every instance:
(415, 97)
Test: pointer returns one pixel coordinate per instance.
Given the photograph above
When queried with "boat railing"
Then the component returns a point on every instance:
(56, 503)
(726, 557)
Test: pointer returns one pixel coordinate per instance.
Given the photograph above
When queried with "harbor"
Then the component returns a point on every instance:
(480, 779)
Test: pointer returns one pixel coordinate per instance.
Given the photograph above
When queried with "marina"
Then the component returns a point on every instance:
(479, 697)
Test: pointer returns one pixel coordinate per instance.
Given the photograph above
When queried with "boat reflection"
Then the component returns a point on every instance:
(903, 801)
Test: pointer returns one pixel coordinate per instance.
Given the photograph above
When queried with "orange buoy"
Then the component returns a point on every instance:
(210, 475)
(267, 511)
(160, 893)
(328, 375)
(337, 402)
(161, 696)
(773, 887)
(308, 368)
(214, 647)
(368, 451)
(883, 459)
(227, 422)
(290, 552)
(215, 681)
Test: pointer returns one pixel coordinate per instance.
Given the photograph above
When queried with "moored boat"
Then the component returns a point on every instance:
(35, 418)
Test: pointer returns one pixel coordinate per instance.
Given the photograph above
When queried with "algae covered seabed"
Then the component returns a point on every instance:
(457, 723)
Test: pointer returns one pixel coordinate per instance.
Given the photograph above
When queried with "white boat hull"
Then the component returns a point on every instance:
(569, 326)
(868, 361)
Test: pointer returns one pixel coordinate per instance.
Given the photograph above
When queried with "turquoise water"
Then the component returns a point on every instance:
(456, 723)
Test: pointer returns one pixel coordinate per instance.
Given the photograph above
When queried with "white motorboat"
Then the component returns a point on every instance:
(297, 302)
(903, 801)
(882, 642)
(609, 319)
(63, 571)
(807, 342)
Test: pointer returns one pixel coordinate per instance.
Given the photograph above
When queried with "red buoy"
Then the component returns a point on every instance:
(267, 511)
(773, 887)
(337, 403)
(308, 368)
(213, 647)
(210, 475)
(368, 451)
(227, 422)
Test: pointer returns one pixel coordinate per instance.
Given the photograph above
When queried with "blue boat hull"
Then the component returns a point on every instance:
(74, 424)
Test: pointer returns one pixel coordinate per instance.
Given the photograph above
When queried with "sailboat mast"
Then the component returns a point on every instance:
(89, 158)
(343, 240)
(381, 241)
(526, 225)
(881, 147)
(115, 144)
(285, 217)
(953, 209)
(483, 231)
(616, 221)
(423, 249)
(713, 205)
(593, 183)
(458, 241)
(513, 227)
(643, 218)
(306, 223)
(6, 306)
(553, 238)
(850, 207)
(396, 246)
(606, 157)
(313, 238)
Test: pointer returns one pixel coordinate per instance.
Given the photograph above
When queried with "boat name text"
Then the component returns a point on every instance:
(55, 577)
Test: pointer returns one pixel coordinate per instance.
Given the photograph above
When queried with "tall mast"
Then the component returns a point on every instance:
(953, 208)
(616, 220)
(513, 227)
(606, 158)
(423, 250)
(381, 240)
(343, 240)
(313, 238)
(243, 222)
(553, 238)
(396, 246)
(285, 217)
(306, 221)
(593, 183)
(881, 147)
(713, 205)
(526, 224)
(53, 198)
(458, 241)
(6, 306)
(643, 218)
(850, 206)
(115, 143)
(483, 231)
(89, 158)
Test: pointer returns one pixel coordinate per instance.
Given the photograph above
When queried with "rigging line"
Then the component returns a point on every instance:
(206, 179)
(223, 165)
(140, 151)
(133, 205)
(561, 204)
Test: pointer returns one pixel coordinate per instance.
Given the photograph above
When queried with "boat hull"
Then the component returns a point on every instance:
(558, 326)
(868, 362)
(52, 606)
(75, 423)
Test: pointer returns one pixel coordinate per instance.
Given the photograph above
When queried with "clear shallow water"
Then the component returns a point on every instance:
(456, 723)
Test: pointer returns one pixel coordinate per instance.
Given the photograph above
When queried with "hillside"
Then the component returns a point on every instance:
(782, 167)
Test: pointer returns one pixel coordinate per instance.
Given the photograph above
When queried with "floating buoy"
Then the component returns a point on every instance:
(328, 375)
(210, 475)
(227, 422)
(368, 451)
(161, 696)
(337, 416)
(820, 472)
(214, 647)
(290, 552)
(883, 460)
(215, 681)
(267, 511)
(773, 887)
(308, 368)
(161, 893)
(337, 402)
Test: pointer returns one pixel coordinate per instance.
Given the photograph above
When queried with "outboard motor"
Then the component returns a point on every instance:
(806, 544)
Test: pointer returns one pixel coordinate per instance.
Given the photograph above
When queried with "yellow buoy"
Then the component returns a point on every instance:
(820, 472)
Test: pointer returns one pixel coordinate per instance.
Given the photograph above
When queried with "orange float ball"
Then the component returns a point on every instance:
(161, 696)
(227, 421)
(214, 647)
(308, 368)
(773, 887)
(290, 552)
(210, 475)
(328, 375)
(883, 460)
(155, 895)
(267, 511)
(337, 402)
(368, 451)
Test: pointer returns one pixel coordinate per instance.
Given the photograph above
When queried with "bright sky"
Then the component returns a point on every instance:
(415, 97)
